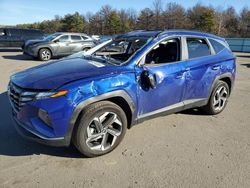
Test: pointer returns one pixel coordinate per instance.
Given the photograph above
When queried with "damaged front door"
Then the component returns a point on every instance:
(161, 79)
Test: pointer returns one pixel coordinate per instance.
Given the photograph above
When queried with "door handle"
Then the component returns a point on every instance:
(216, 67)
(180, 75)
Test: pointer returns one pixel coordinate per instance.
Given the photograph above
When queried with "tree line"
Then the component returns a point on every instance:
(108, 21)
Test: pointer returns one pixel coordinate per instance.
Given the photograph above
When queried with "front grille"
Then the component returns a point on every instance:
(19, 96)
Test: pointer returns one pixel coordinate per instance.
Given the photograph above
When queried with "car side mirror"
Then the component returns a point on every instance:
(56, 41)
(148, 79)
(2, 33)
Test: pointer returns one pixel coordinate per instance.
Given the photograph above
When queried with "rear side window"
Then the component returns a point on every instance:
(216, 45)
(197, 47)
(76, 38)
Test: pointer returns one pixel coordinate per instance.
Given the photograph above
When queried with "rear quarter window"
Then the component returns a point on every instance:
(216, 45)
(197, 47)
(85, 38)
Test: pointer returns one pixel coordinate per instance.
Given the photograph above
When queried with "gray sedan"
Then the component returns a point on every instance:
(58, 45)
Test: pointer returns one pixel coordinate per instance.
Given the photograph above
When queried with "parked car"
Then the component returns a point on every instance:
(14, 37)
(58, 45)
(92, 97)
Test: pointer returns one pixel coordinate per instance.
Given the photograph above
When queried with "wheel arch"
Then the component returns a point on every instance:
(45, 47)
(226, 77)
(228, 81)
(119, 97)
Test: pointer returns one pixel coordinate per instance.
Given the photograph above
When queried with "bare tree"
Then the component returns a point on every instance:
(157, 10)
(174, 17)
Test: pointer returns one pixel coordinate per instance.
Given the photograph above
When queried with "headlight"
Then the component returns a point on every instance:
(46, 95)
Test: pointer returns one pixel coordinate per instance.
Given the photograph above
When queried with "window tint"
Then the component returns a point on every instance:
(28, 32)
(197, 47)
(216, 45)
(15, 32)
(64, 38)
(84, 37)
(165, 52)
(75, 37)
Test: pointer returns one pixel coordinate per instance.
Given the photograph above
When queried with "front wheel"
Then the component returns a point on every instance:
(218, 99)
(101, 128)
(44, 54)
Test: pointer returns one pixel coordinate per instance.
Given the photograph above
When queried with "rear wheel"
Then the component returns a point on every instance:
(44, 54)
(101, 128)
(218, 99)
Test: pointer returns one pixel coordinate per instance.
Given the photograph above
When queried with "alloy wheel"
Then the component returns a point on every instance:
(220, 98)
(103, 131)
(46, 55)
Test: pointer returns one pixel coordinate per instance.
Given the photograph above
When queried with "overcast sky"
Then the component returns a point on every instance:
(28, 11)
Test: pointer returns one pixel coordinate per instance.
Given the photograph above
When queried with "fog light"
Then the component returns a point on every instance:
(43, 115)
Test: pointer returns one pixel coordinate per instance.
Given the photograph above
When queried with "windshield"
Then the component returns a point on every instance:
(120, 50)
(52, 37)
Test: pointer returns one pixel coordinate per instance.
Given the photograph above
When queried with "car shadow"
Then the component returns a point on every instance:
(18, 57)
(10, 49)
(194, 111)
(243, 56)
(246, 65)
(12, 144)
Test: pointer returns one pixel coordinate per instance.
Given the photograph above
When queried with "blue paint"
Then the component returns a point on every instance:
(176, 82)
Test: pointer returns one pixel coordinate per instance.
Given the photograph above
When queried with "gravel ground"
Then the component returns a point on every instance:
(186, 149)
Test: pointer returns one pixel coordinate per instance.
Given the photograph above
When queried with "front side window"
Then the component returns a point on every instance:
(76, 38)
(52, 37)
(197, 47)
(166, 51)
(216, 45)
(64, 38)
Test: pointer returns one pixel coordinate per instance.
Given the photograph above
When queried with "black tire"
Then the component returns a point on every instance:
(80, 135)
(210, 108)
(44, 54)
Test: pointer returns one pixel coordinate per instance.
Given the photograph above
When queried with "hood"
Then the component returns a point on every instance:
(32, 42)
(55, 74)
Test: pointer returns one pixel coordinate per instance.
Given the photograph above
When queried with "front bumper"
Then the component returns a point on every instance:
(31, 135)
(30, 51)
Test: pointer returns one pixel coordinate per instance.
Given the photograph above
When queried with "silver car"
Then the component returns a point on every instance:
(58, 45)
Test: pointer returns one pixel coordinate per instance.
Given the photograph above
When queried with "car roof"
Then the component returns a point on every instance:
(139, 33)
(21, 28)
(160, 34)
(69, 33)
(189, 33)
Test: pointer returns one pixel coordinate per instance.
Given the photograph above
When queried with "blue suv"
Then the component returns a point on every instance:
(91, 98)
